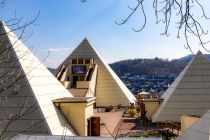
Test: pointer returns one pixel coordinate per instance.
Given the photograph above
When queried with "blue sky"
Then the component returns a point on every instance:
(63, 24)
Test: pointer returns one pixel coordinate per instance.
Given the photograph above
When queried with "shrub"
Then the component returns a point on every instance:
(146, 134)
(119, 106)
(132, 112)
(109, 108)
(138, 109)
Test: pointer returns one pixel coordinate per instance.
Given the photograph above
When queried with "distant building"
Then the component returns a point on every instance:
(143, 95)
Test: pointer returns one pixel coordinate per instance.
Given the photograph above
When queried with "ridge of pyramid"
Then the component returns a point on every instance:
(38, 88)
(198, 130)
(109, 88)
(189, 93)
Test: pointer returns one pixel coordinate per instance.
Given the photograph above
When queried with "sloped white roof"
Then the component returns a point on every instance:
(189, 94)
(199, 130)
(109, 89)
(39, 87)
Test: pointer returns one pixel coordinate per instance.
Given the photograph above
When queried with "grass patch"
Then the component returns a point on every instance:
(146, 134)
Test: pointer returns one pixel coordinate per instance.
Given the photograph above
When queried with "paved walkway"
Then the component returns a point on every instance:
(109, 121)
(114, 124)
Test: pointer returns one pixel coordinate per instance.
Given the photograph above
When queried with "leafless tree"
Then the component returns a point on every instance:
(187, 15)
(16, 104)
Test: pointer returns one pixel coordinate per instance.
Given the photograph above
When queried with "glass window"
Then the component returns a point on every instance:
(74, 61)
(87, 61)
(80, 61)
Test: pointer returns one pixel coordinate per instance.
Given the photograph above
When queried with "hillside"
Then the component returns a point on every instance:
(149, 74)
(155, 66)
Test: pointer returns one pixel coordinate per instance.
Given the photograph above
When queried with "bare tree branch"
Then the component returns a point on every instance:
(2, 3)
(186, 18)
(13, 79)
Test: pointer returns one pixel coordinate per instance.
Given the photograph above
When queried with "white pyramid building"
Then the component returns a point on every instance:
(189, 94)
(110, 90)
(26, 105)
(200, 130)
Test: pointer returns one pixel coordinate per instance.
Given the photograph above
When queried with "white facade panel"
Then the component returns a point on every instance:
(36, 90)
(189, 94)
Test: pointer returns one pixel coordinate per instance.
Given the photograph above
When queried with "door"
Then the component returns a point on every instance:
(94, 126)
(75, 79)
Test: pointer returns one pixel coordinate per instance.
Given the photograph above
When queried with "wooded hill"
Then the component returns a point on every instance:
(156, 66)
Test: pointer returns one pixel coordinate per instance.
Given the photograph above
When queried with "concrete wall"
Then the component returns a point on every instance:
(151, 107)
(77, 114)
(187, 121)
(88, 113)
(83, 84)
(93, 80)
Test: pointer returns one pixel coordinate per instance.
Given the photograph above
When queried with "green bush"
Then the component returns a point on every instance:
(119, 106)
(132, 112)
(109, 108)
(138, 109)
(146, 134)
